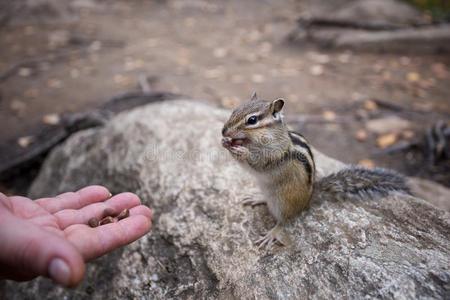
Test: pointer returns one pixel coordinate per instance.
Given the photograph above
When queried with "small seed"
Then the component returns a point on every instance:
(108, 212)
(93, 222)
(106, 220)
(123, 214)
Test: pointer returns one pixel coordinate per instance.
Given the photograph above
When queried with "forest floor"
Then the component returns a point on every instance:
(219, 51)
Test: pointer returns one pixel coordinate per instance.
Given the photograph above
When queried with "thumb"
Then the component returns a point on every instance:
(29, 251)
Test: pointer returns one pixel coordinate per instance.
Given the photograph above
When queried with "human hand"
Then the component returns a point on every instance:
(49, 236)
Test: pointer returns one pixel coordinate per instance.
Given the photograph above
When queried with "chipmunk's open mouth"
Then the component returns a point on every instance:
(230, 142)
(238, 142)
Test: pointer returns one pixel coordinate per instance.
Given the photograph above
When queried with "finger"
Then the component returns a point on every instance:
(117, 203)
(75, 200)
(35, 252)
(95, 242)
(141, 210)
(5, 201)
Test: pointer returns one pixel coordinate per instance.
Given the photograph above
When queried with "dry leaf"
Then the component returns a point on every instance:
(408, 134)
(440, 70)
(31, 93)
(95, 46)
(386, 140)
(316, 70)
(329, 115)
(25, 141)
(344, 58)
(51, 119)
(413, 77)
(18, 106)
(361, 135)
(54, 83)
(386, 75)
(370, 105)
(133, 64)
(405, 60)
(368, 163)
(24, 72)
(58, 38)
(123, 80)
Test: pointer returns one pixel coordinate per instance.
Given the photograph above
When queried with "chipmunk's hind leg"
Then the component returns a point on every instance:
(274, 236)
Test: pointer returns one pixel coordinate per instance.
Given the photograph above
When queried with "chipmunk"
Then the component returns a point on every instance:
(257, 136)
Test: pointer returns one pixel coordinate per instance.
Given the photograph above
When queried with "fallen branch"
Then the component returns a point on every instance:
(399, 147)
(370, 26)
(373, 37)
(389, 105)
(308, 22)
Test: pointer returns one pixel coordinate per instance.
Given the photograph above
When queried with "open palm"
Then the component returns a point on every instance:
(50, 236)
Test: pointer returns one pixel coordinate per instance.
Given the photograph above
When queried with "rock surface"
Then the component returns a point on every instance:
(202, 241)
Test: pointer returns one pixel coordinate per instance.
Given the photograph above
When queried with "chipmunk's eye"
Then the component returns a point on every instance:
(252, 120)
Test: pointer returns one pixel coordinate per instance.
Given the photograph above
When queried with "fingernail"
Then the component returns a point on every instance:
(59, 271)
(110, 195)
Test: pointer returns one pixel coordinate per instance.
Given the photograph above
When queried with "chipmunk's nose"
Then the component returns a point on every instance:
(225, 132)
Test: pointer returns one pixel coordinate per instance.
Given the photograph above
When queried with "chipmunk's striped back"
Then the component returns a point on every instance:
(304, 154)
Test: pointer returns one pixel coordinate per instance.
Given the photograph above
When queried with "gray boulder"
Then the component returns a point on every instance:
(201, 245)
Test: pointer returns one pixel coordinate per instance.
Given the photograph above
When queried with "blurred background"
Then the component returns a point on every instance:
(367, 81)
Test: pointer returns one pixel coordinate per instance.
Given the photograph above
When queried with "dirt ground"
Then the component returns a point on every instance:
(219, 51)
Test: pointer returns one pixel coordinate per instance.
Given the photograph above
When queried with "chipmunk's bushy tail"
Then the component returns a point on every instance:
(361, 183)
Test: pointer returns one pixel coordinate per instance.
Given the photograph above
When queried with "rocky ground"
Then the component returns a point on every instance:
(73, 56)
(202, 240)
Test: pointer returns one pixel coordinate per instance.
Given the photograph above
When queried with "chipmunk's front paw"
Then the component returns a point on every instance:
(239, 152)
(253, 201)
(274, 236)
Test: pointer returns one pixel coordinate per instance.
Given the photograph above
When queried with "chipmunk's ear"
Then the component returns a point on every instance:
(254, 96)
(276, 106)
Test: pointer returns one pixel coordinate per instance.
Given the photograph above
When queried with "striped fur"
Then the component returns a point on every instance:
(241, 113)
(301, 146)
(284, 164)
(282, 161)
(360, 183)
